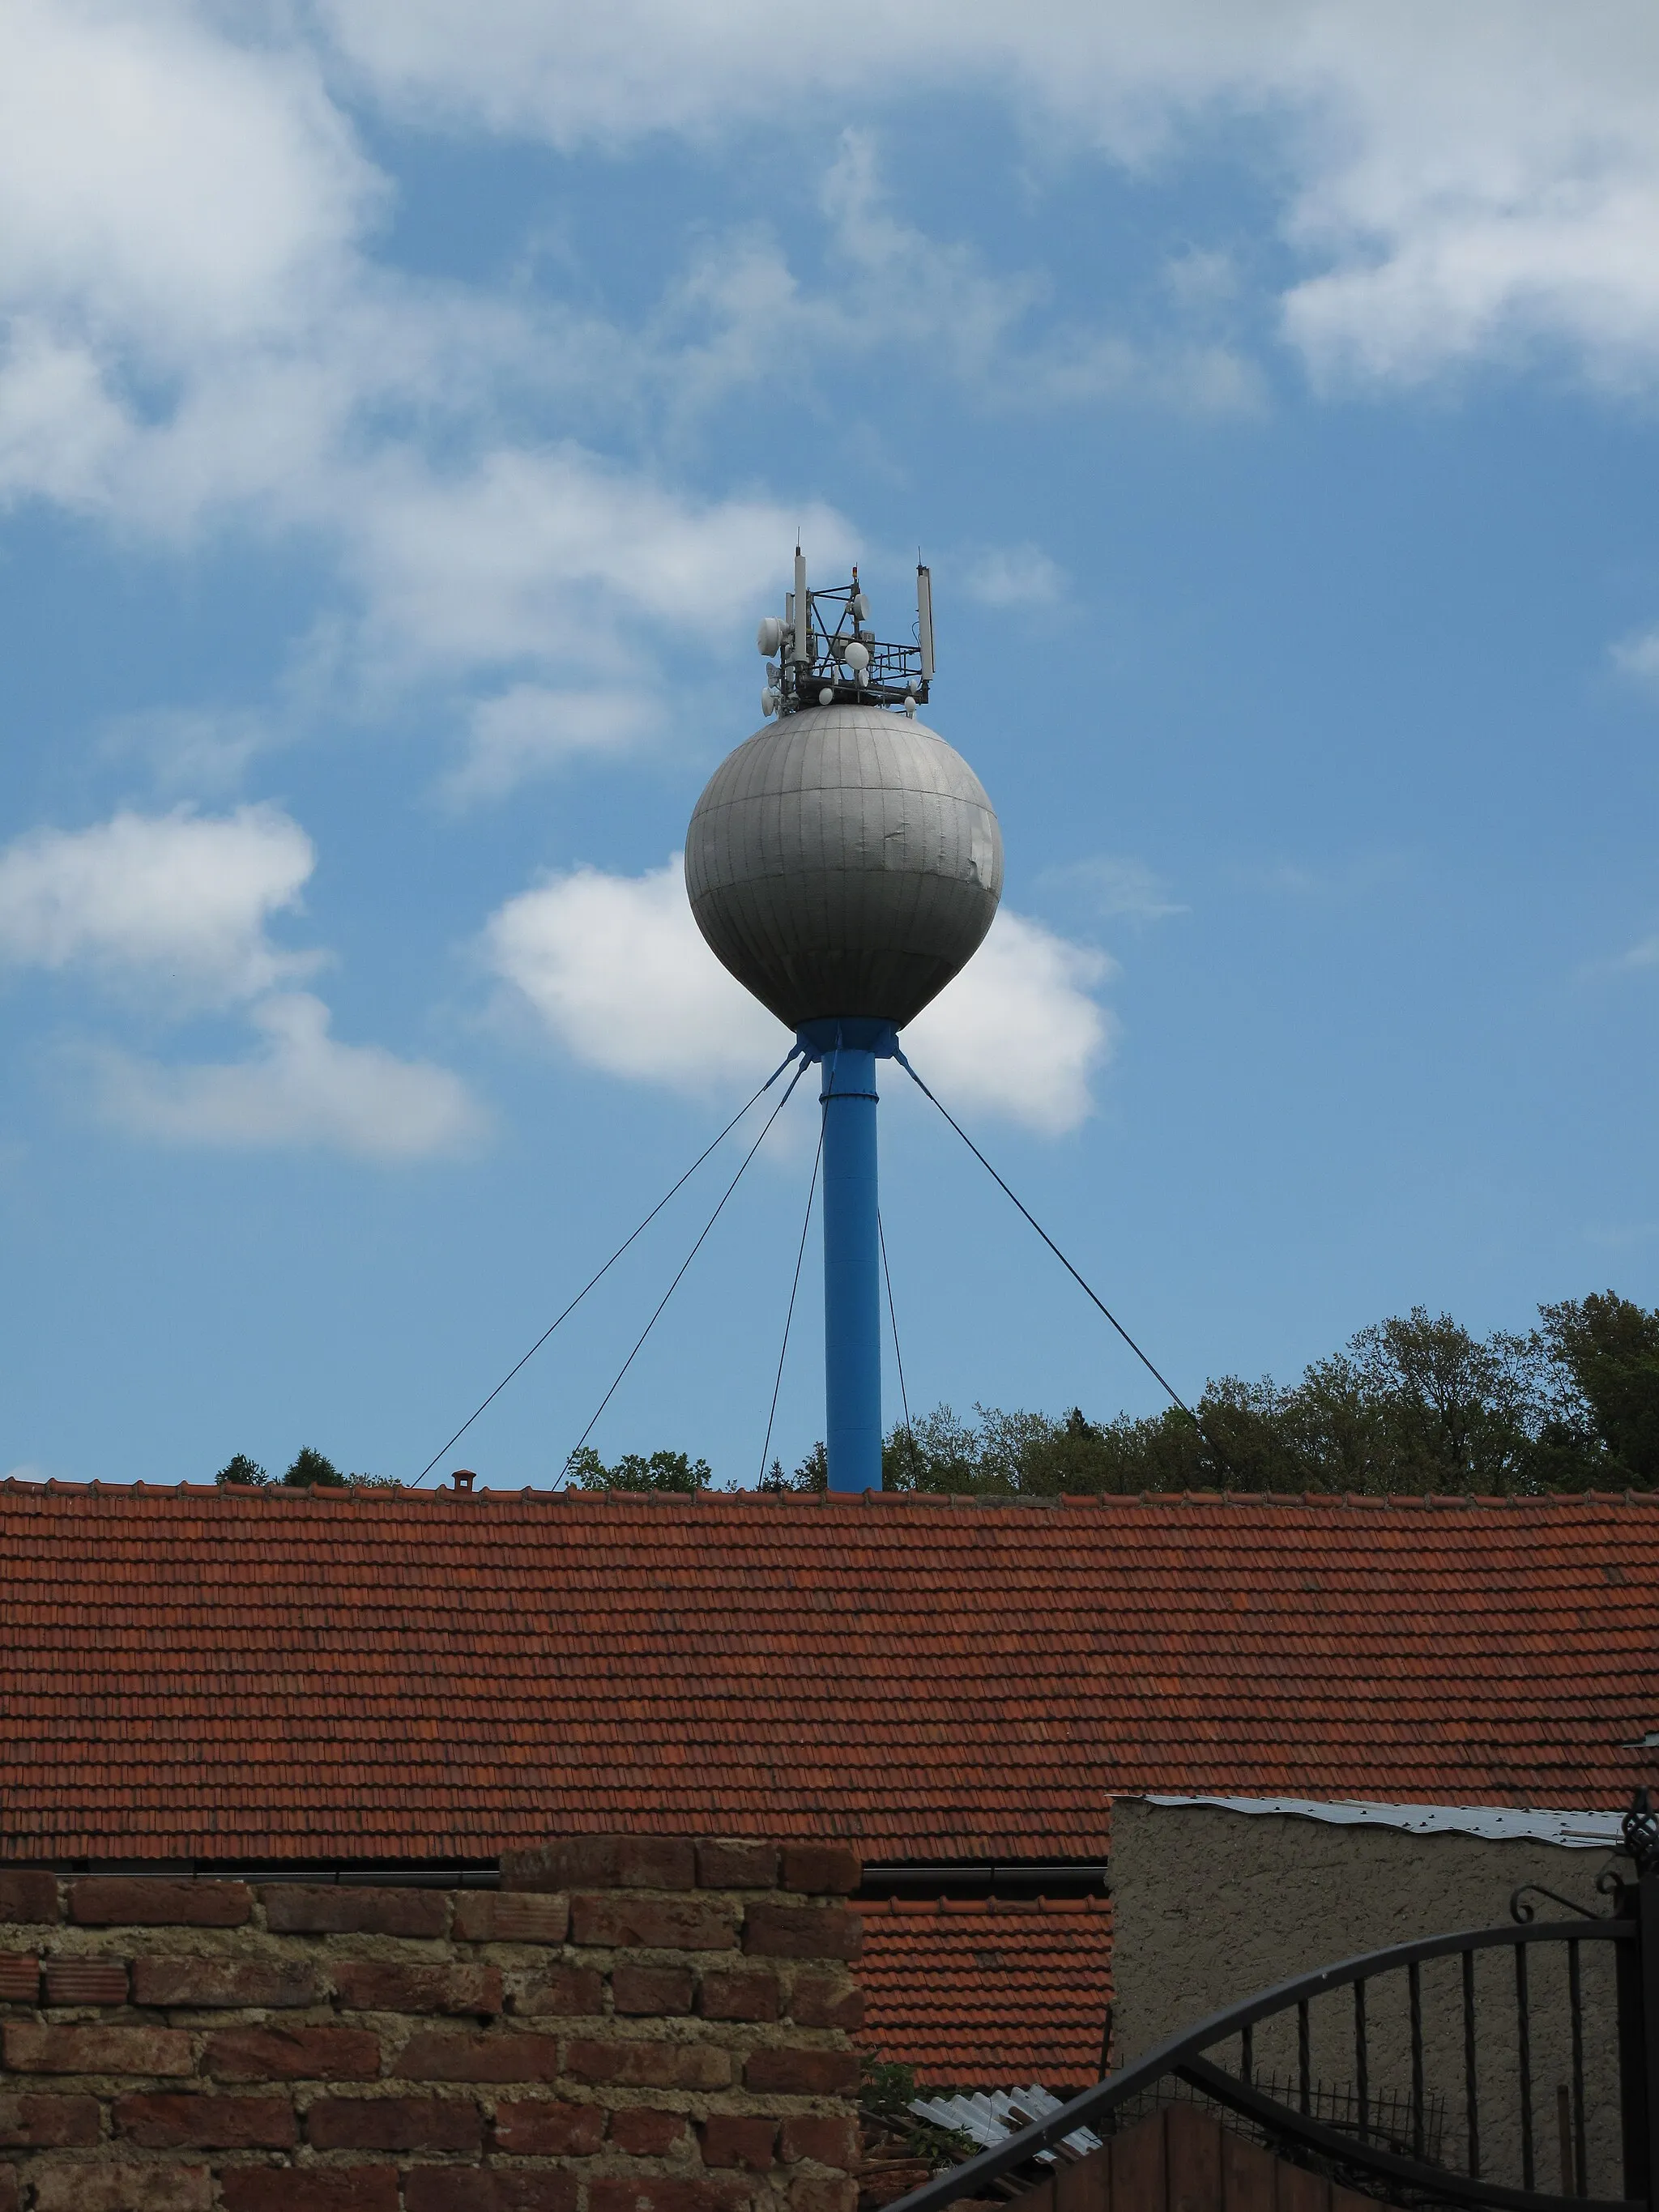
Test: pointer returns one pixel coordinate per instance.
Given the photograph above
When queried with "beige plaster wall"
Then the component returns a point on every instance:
(1211, 1906)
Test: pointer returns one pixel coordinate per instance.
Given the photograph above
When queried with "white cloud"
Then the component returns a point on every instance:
(532, 730)
(1637, 658)
(302, 1089)
(1018, 1033)
(615, 968)
(1116, 885)
(1013, 576)
(1457, 180)
(176, 903)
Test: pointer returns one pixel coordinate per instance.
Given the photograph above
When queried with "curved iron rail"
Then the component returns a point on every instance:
(1183, 2056)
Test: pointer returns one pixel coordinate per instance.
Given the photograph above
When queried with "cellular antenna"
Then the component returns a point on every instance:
(925, 620)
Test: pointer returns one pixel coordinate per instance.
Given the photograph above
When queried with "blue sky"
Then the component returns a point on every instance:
(405, 412)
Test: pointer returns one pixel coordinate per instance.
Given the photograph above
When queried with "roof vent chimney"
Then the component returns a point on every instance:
(464, 1479)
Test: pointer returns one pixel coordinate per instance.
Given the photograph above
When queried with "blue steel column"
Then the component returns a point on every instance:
(852, 1253)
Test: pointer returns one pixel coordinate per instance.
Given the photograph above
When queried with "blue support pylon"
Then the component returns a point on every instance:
(847, 1052)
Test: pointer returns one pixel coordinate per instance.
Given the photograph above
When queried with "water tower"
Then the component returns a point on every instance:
(844, 863)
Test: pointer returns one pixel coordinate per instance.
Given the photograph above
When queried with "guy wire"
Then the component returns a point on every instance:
(605, 1270)
(777, 1380)
(893, 1316)
(686, 1262)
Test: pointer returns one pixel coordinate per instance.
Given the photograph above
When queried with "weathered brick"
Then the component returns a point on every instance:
(439, 2188)
(86, 1981)
(510, 1916)
(655, 1924)
(660, 2192)
(31, 2050)
(802, 1931)
(649, 2065)
(341, 1909)
(309, 2188)
(663, 1990)
(293, 2054)
(547, 2129)
(9, 2199)
(28, 1900)
(824, 2192)
(221, 1983)
(640, 2132)
(737, 2139)
(826, 2000)
(603, 1862)
(20, 1978)
(738, 1866)
(137, 1901)
(395, 2123)
(802, 2073)
(121, 2188)
(573, 1992)
(744, 1993)
(433, 2056)
(827, 2142)
(175, 2120)
(371, 1985)
(820, 1870)
(47, 2123)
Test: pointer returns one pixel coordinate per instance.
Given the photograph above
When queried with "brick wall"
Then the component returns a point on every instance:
(624, 2025)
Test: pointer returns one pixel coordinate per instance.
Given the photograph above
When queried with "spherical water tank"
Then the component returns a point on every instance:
(844, 861)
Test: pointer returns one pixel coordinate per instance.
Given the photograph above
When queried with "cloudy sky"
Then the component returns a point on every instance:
(407, 409)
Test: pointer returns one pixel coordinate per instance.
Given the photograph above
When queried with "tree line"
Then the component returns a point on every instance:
(1412, 1405)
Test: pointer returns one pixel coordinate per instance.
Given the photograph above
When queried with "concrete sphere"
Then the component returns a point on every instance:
(844, 861)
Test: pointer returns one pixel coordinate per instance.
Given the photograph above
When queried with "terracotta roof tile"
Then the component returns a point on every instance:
(226, 1674)
(989, 1995)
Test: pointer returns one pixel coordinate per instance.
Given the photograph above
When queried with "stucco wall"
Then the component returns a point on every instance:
(1211, 1906)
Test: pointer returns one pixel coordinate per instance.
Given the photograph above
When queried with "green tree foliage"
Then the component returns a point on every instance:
(664, 1470)
(812, 1473)
(1411, 1406)
(243, 1473)
(310, 1467)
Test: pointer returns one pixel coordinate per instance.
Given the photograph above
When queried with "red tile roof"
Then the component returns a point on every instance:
(223, 1674)
(989, 1995)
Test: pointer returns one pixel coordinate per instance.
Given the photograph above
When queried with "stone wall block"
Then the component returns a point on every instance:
(743, 1993)
(510, 1916)
(826, 2000)
(138, 1901)
(29, 1900)
(571, 1992)
(739, 2139)
(547, 2129)
(435, 2190)
(603, 1862)
(802, 1931)
(738, 1866)
(29, 2049)
(342, 1909)
(447, 2057)
(825, 2141)
(820, 1870)
(120, 2186)
(442, 2124)
(309, 2188)
(651, 2192)
(74, 1981)
(20, 1978)
(174, 2119)
(663, 1992)
(293, 2054)
(374, 1985)
(61, 2122)
(223, 1985)
(654, 1924)
(802, 2073)
(641, 2065)
(640, 2131)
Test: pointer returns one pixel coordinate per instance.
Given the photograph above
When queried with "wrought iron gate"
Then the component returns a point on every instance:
(1432, 2143)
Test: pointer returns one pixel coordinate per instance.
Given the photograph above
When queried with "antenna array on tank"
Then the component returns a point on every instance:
(824, 654)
